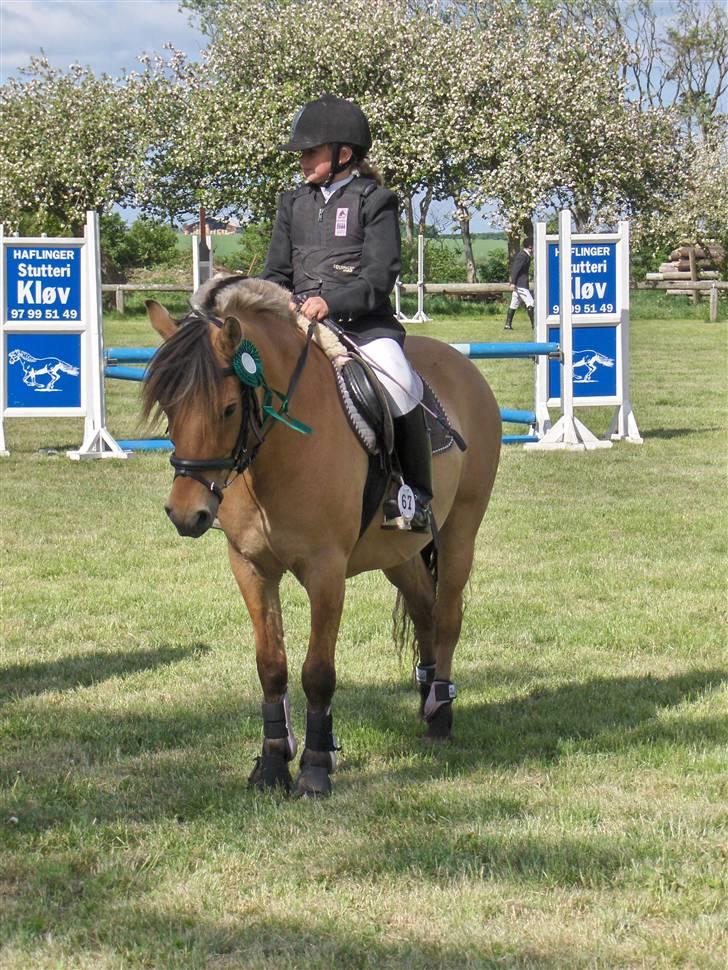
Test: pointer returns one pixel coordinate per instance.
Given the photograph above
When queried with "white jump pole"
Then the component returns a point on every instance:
(420, 316)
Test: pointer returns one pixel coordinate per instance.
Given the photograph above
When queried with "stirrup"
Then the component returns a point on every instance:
(394, 519)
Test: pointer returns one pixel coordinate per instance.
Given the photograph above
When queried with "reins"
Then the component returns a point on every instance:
(256, 419)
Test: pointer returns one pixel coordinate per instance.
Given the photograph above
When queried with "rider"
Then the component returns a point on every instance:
(336, 246)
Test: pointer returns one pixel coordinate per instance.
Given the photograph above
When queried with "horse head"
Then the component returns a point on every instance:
(202, 379)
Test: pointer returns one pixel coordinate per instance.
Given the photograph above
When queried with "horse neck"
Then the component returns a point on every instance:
(279, 344)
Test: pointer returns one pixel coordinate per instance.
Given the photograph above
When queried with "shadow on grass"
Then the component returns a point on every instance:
(251, 940)
(665, 434)
(181, 763)
(87, 669)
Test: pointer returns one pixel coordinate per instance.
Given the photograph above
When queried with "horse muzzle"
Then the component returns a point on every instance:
(190, 509)
(191, 523)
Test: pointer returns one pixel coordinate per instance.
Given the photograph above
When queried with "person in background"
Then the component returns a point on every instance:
(336, 247)
(520, 266)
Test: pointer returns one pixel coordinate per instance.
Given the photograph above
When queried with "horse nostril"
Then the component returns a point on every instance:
(204, 520)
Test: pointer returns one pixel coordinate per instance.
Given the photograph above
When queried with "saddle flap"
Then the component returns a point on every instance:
(369, 399)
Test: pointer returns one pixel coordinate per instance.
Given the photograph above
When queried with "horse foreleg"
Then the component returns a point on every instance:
(325, 585)
(416, 585)
(262, 599)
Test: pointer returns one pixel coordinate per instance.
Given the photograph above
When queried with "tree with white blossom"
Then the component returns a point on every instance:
(67, 146)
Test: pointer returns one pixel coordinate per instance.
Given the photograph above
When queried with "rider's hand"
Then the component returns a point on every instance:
(315, 308)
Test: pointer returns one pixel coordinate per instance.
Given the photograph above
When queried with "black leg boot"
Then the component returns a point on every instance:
(509, 319)
(412, 446)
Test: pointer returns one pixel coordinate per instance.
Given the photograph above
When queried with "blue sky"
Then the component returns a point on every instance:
(106, 35)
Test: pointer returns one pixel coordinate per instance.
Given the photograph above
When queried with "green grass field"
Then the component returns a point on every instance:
(578, 821)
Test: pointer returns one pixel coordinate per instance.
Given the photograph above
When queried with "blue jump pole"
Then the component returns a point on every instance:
(508, 350)
(513, 416)
(125, 373)
(479, 351)
(130, 355)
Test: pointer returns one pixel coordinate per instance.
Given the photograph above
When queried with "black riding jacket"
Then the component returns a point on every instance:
(519, 269)
(346, 250)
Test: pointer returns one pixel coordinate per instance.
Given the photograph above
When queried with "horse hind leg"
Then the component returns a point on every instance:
(455, 560)
(415, 583)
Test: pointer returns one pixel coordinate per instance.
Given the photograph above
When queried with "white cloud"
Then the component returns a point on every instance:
(106, 35)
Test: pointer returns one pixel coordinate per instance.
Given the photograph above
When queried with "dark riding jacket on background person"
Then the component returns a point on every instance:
(519, 269)
(346, 250)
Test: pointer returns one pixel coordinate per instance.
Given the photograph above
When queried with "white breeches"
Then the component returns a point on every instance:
(521, 295)
(399, 380)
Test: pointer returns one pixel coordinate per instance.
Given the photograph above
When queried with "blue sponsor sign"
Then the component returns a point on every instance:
(593, 278)
(43, 283)
(43, 370)
(594, 358)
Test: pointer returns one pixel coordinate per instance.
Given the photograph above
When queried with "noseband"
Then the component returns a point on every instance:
(252, 422)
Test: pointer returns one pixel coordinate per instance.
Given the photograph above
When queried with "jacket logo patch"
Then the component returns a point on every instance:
(342, 218)
(343, 269)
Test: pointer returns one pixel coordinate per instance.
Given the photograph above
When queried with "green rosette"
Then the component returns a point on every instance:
(247, 364)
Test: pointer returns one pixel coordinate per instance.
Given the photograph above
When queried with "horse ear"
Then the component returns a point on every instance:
(165, 325)
(230, 336)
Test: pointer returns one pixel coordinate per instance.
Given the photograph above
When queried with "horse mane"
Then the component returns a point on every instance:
(184, 373)
(244, 296)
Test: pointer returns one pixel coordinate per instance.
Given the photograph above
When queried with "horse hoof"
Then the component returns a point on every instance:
(438, 727)
(313, 782)
(270, 772)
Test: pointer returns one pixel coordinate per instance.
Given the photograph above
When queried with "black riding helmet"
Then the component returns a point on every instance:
(334, 121)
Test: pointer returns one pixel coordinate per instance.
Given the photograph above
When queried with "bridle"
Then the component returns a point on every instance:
(257, 420)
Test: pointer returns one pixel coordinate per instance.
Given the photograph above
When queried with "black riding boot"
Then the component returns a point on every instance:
(529, 311)
(509, 319)
(412, 447)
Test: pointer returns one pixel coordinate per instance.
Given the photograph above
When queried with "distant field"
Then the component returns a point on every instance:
(482, 248)
(222, 246)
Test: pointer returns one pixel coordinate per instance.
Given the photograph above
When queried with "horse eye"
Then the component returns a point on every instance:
(230, 410)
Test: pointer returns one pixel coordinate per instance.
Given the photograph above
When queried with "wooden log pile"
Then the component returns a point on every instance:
(691, 271)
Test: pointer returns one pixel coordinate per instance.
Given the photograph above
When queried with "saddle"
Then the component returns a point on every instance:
(366, 407)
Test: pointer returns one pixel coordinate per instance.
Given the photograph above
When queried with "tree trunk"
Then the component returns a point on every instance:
(463, 217)
(581, 218)
(409, 222)
(424, 209)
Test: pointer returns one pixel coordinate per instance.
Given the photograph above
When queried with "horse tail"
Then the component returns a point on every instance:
(68, 369)
(403, 631)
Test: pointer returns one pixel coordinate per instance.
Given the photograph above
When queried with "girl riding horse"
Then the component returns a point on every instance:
(336, 247)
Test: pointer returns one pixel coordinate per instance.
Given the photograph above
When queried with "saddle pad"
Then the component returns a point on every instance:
(440, 437)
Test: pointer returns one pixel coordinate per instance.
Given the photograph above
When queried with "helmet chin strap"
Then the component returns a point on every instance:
(336, 165)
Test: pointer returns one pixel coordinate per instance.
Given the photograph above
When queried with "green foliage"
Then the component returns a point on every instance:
(443, 263)
(144, 244)
(153, 243)
(495, 267)
(251, 248)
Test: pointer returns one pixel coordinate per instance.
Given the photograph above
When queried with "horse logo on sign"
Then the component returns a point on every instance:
(35, 367)
(589, 360)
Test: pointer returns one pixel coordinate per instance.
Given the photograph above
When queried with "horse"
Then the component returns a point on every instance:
(292, 501)
(34, 367)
